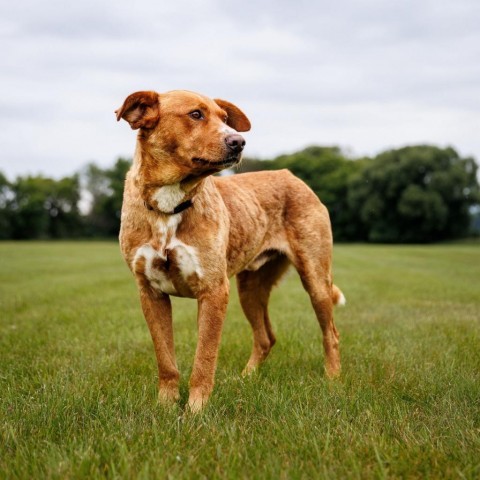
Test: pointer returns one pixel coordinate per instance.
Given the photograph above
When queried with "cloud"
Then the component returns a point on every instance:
(367, 74)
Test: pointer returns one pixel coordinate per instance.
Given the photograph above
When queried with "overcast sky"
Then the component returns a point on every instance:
(366, 75)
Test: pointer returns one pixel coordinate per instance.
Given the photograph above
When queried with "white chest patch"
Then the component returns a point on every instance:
(168, 197)
(186, 257)
(157, 278)
(188, 261)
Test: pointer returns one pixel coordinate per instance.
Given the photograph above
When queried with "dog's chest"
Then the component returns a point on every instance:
(167, 263)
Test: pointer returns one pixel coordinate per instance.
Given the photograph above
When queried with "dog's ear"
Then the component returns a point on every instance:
(236, 118)
(140, 110)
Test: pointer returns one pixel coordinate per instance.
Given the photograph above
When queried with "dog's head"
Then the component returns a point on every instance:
(184, 134)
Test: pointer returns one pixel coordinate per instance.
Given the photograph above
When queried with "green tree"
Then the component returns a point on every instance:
(42, 207)
(415, 194)
(6, 197)
(105, 187)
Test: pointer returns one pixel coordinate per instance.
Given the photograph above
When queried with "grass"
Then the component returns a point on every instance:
(78, 375)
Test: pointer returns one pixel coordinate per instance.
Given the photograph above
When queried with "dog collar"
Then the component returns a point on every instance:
(179, 208)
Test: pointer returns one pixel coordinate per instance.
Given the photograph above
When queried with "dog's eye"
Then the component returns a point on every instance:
(196, 115)
(225, 119)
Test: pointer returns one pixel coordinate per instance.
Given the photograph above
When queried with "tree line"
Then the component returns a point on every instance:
(38, 207)
(419, 193)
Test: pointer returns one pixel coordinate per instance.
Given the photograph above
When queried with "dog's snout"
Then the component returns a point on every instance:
(235, 142)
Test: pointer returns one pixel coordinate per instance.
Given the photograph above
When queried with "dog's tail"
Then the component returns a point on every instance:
(338, 297)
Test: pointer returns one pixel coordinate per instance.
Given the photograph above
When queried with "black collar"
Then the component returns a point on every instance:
(179, 208)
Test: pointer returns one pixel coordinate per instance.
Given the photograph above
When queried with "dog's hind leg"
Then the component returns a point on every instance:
(321, 298)
(254, 289)
(310, 241)
(316, 278)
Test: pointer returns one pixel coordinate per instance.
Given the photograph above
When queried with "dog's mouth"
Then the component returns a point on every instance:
(227, 162)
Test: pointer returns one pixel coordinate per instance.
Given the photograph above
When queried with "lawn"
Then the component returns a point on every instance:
(78, 374)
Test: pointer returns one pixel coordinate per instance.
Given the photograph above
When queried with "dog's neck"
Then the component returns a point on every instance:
(164, 189)
(170, 200)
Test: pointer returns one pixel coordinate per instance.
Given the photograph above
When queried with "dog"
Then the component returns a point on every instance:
(185, 232)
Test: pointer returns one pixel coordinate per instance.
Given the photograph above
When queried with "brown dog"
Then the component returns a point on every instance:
(185, 232)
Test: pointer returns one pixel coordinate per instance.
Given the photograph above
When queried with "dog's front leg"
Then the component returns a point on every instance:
(212, 308)
(157, 309)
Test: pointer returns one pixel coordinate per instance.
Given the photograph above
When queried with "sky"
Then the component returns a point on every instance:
(366, 75)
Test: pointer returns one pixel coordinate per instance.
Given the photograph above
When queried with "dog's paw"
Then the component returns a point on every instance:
(332, 371)
(249, 370)
(168, 397)
(196, 402)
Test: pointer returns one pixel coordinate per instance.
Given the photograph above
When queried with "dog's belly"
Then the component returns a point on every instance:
(260, 260)
(174, 269)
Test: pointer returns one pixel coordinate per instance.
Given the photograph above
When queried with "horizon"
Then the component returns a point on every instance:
(348, 154)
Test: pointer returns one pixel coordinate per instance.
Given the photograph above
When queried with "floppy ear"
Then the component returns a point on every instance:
(236, 118)
(140, 110)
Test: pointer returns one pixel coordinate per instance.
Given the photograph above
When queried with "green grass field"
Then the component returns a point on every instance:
(78, 374)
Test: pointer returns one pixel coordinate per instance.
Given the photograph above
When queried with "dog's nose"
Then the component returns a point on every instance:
(235, 142)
